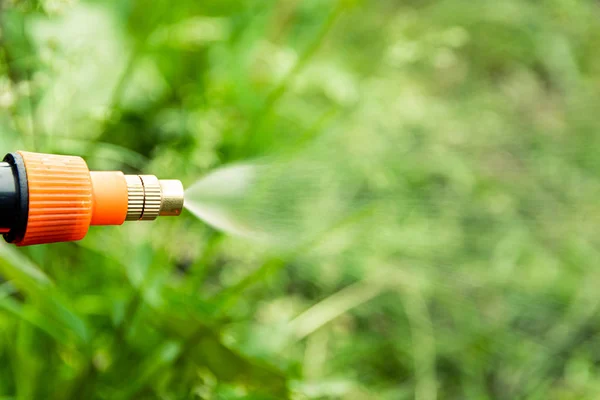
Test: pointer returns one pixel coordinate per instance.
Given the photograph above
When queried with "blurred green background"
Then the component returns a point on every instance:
(463, 259)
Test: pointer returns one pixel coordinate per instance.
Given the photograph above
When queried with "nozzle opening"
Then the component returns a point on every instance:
(172, 197)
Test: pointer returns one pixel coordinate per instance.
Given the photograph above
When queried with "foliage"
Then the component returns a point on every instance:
(462, 261)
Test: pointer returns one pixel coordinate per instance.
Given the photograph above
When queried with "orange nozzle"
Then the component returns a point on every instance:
(64, 198)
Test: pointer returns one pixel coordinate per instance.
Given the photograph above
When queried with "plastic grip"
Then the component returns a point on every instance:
(60, 198)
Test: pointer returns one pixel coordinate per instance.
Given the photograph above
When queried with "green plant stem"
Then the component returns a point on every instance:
(275, 95)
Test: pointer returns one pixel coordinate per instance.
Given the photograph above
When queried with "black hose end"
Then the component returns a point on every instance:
(21, 205)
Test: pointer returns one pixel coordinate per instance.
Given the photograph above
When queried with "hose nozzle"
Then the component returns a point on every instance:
(149, 197)
(47, 198)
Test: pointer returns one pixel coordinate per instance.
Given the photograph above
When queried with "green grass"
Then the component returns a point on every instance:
(457, 248)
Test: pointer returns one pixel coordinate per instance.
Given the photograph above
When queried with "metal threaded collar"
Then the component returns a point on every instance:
(135, 201)
(152, 197)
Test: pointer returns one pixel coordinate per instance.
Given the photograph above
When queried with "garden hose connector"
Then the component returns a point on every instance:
(46, 198)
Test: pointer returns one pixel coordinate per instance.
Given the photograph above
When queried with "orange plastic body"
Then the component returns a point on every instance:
(110, 198)
(65, 198)
(60, 198)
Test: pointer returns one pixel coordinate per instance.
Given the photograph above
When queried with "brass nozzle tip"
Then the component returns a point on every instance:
(172, 197)
(150, 197)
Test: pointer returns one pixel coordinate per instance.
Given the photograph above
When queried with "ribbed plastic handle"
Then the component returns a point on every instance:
(60, 198)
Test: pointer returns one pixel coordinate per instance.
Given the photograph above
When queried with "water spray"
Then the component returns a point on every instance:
(46, 198)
